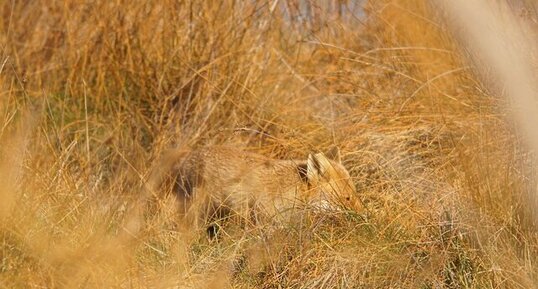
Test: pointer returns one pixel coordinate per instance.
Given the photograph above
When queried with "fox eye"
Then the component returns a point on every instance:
(348, 198)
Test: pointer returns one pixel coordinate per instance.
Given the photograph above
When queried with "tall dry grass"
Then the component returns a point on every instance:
(94, 92)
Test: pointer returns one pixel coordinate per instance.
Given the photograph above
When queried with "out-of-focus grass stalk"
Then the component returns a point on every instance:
(503, 46)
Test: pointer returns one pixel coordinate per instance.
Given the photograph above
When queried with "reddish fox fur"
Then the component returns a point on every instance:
(217, 182)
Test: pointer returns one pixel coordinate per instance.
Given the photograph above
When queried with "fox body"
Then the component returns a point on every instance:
(218, 182)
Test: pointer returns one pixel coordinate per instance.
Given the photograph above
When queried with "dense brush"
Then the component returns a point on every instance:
(93, 93)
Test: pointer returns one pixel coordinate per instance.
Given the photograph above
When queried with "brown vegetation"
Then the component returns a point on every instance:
(92, 93)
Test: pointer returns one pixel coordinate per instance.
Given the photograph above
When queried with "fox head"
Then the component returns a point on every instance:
(330, 181)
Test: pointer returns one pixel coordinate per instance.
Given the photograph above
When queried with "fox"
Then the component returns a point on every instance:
(218, 182)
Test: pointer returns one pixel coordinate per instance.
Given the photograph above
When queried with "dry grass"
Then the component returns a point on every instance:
(93, 93)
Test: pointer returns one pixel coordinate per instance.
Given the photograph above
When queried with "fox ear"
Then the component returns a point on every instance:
(334, 154)
(317, 166)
